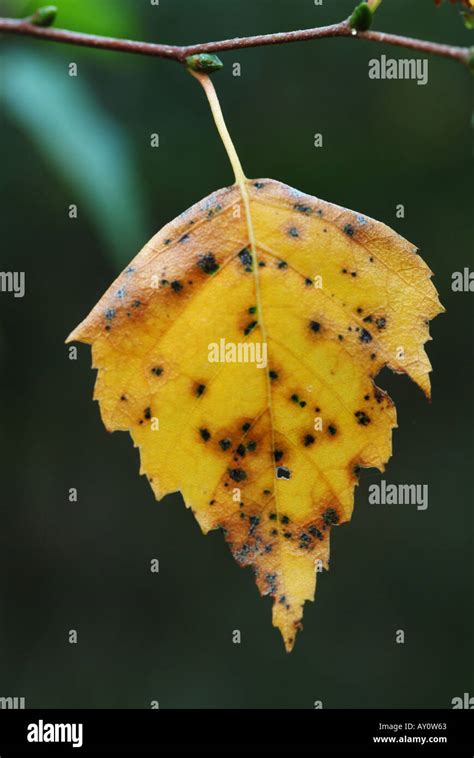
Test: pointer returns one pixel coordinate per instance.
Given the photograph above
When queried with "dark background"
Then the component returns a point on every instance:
(85, 565)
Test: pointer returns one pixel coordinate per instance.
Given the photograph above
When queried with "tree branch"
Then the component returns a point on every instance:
(180, 53)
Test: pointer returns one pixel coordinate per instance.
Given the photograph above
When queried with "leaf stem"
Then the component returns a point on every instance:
(216, 109)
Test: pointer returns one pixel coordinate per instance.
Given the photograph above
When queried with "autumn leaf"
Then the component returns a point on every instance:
(239, 349)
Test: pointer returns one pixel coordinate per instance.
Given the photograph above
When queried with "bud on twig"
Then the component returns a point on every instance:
(361, 18)
(204, 63)
(44, 16)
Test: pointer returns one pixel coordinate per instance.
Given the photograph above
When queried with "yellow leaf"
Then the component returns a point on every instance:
(208, 429)
(240, 348)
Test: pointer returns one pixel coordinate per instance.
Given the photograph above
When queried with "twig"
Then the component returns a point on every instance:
(180, 53)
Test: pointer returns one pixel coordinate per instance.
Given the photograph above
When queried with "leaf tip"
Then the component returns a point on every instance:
(77, 335)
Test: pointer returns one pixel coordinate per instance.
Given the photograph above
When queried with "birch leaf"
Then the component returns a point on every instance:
(240, 348)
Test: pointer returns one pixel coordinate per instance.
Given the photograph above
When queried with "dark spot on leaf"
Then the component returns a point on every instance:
(147, 413)
(362, 418)
(378, 394)
(176, 286)
(246, 426)
(254, 522)
(157, 370)
(349, 230)
(271, 580)
(250, 327)
(246, 259)
(283, 473)
(293, 232)
(205, 434)
(302, 208)
(332, 430)
(200, 389)
(242, 554)
(208, 263)
(305, 540)
(282, 264)
(225, 444)
(237, 474)
(273, 374)
(278, 455)
(365, 336)
(315, 326)
(308, 440)
(330, 517)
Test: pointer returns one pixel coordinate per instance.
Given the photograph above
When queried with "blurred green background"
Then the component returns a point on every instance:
(85, 565)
